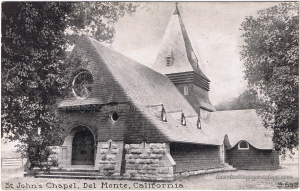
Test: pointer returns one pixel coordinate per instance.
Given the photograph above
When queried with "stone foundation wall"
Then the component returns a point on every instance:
(149, 162)
(109, 158)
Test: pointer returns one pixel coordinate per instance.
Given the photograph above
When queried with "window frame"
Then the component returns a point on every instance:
(113, 115)
(239, 145)
(74, 80)
(186, 90)
(183, 120)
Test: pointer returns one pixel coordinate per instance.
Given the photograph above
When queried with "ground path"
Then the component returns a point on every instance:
(11, 178)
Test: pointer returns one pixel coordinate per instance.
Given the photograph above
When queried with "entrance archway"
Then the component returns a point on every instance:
(83, 147)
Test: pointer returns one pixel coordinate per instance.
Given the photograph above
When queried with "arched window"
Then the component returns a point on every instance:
(243, 145)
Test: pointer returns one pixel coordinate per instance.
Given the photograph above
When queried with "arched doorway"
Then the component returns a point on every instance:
(83, 147)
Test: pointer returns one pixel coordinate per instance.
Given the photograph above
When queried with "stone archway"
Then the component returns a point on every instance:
(83, 148)
(78, 147)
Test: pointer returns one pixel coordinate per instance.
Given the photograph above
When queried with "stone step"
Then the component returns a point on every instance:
(69, 173)
(73, 170)
(208, 171)
(66, 170)
(226, 164)
(87, 173)
(230, 168)
(68, 176)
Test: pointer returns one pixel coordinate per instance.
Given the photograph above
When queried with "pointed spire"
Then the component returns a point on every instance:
(177, 60)
(184, 58)
(176, 12)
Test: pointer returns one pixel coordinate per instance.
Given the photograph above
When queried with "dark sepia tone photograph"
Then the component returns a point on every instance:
(149, 95)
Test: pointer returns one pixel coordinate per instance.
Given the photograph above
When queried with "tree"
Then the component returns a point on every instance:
(35, 36)
(271, 60)
(247, 100)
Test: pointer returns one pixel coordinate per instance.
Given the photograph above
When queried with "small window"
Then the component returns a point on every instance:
(198, 123)
(114, 116)
(183, 121)
(163, 115)
(186, 90)
(243, 145)
(109, 144)
(169, 59)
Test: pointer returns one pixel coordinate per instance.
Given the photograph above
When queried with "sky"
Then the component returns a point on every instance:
(213, 29)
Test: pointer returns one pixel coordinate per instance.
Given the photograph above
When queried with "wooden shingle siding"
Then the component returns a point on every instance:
(189, 77)
(252, 159)
(132, 126)
(140, 129)
(197, 97)
(118, 79)
(99, 122)
(189, 157)
(105, 87)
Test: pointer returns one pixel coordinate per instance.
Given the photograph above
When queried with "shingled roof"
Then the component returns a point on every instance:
(241, 125)
(177, 43)
(146, 89)
(149, 91)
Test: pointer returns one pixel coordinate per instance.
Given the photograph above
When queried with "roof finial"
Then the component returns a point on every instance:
(176, 12)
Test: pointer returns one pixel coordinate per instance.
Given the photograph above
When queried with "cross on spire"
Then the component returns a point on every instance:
(176, 12)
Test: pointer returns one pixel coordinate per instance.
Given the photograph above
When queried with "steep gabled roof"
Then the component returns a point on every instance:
(241, 125)
(147, 90)
(177, 42)
(142, 87)
(146, 87)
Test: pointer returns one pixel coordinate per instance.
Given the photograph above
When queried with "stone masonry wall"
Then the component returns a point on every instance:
(109, 158)
(149, 162)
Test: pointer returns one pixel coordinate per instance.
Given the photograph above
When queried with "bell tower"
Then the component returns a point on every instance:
(177, 60)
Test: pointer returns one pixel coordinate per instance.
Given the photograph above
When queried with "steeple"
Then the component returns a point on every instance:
(177, 40)
(177, 59)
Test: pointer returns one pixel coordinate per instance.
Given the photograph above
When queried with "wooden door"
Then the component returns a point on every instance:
(83, 148)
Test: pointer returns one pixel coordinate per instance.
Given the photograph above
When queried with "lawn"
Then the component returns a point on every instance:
(12, 179)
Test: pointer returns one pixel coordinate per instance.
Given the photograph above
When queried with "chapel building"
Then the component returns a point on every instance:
(124, 119)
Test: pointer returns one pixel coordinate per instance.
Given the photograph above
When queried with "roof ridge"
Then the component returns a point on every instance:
(125, 56)
(150, 71)
(190, 50)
